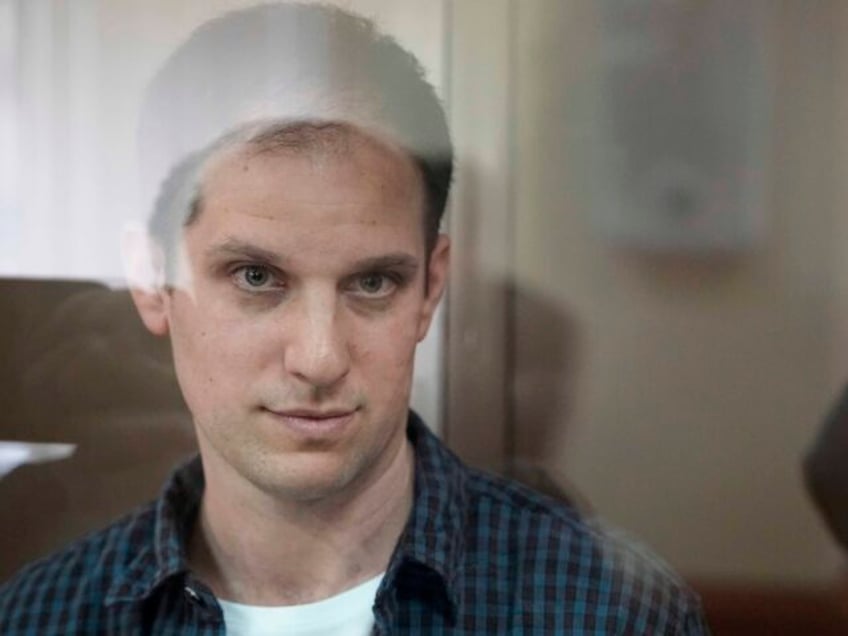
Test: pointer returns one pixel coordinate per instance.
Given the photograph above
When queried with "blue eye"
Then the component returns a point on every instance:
(254, 278)
(372, 283)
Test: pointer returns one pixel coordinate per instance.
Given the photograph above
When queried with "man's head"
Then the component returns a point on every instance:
(305, 256)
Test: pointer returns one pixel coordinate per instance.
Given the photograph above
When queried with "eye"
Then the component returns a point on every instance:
(374, 285)
(255, 278)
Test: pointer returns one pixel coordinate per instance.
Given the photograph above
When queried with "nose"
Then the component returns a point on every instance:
(317, 349)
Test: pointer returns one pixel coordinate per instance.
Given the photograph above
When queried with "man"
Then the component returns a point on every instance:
(302, 167)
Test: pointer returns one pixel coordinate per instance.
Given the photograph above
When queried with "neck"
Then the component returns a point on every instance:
(264, 551)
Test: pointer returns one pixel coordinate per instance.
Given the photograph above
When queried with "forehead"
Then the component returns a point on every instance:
(343, 158)
(313, 188)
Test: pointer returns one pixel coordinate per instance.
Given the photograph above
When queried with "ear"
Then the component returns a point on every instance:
(437, 276)
(152, 307)
(144, 265)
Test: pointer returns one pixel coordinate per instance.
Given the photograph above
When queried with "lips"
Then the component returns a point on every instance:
(314, 422)
(324, 414)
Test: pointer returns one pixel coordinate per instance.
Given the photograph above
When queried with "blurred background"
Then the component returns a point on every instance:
(649, 305)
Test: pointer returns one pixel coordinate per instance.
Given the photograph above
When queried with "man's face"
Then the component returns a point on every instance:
(300, 304)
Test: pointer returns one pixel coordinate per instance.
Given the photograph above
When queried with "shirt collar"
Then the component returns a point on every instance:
(434, 535)
(173, 516)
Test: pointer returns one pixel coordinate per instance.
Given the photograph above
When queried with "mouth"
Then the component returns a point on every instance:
(314, 422)
(314, 414)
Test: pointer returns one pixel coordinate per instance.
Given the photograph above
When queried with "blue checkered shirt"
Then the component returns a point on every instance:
(479, 555)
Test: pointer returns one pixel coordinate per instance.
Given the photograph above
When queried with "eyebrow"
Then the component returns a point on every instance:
(400, 260)
(240, 249)
(235, 248)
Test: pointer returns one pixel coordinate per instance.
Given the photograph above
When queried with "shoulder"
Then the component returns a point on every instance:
(71, 585)
(566, 563)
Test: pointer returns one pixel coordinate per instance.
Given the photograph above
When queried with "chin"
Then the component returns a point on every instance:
(306, 480)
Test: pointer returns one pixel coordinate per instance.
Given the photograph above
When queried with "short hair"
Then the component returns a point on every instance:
(290, 70)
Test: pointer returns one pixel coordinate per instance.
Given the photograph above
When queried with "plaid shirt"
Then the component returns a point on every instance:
(479, 555)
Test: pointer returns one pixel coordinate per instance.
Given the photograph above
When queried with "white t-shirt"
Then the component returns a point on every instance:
(346, 614)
